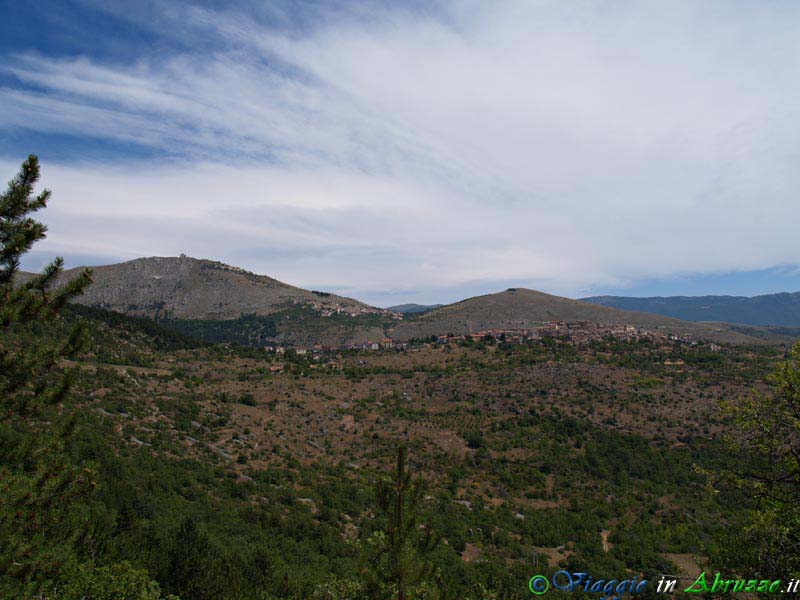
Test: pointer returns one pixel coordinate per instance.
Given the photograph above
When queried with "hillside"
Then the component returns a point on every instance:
(255, 472)
(412, 309)
(522, 308)
(190, 288)
(767, 310)
(220, 303)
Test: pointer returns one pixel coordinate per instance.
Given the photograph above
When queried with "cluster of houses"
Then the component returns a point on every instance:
(326, 310)
(329, 308)
(578, 332)
(383, 344)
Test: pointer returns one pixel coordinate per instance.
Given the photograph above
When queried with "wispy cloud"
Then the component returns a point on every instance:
(559, 145)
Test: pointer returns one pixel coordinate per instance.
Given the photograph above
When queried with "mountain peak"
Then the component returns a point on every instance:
(184, 287)
(522, 308)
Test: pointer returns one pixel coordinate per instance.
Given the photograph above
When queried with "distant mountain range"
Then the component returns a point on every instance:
(414, 309)
(221, 303)
(782, 310)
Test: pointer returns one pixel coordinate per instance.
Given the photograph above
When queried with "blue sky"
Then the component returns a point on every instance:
(418, 151)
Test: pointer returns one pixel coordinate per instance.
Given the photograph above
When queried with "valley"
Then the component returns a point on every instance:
(543, 452)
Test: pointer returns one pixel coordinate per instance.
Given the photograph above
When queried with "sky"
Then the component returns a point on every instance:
(417, 151)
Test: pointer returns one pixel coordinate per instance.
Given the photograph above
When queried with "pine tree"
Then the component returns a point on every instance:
(37, 480)
(401, 570)
(767, 476)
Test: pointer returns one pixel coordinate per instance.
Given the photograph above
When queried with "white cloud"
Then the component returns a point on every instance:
(558, 145)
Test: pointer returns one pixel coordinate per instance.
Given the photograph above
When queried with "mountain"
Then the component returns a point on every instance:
(216, 302)
(190, 288)
(519, 308)
(414, 309)
(220, 303)
(769, 310)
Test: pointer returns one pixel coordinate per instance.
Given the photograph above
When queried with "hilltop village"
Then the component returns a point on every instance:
(580, 332)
